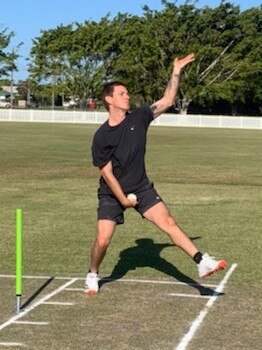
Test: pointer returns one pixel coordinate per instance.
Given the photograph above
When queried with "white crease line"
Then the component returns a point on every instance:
(39, 302)
(57, 303)
(75, 289)
(191, 295)
(197, 322)
(37, 277)
(117, 280)
(157, 282)
(32, 323)
(171, 294)
(11, 344)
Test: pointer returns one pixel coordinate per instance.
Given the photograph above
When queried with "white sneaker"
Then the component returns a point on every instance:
(92, 283)
(208, 265)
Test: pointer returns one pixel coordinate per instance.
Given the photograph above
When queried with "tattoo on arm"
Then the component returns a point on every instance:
(169, 85)
(153, 108)
(174, 80)
(160, 106)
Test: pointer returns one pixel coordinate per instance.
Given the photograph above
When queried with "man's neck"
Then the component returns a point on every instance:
(116, 116)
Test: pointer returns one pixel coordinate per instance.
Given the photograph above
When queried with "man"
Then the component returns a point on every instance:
(118, 150)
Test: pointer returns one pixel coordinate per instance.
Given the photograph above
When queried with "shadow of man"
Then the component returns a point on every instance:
(147, 254)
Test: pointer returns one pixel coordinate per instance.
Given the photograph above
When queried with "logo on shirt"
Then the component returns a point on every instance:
(132, 127)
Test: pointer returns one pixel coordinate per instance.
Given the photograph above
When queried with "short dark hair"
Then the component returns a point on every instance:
(108, 90)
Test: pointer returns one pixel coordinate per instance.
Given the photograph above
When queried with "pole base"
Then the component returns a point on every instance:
(18, 304)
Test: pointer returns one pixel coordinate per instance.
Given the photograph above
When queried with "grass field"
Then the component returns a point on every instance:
(210, 179)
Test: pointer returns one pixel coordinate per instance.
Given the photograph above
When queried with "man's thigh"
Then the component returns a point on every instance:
(147, 199)
(157, 213)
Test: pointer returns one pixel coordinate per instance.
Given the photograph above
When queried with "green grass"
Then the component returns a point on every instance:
(211, 181)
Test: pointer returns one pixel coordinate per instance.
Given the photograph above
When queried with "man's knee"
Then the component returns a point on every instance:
(167, 222)
(171, 221)
(103, 240)
(105, 233)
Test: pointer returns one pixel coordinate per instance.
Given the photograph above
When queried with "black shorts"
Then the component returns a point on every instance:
(111, 209)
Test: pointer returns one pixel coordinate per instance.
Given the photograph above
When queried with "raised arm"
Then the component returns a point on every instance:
(169, 97)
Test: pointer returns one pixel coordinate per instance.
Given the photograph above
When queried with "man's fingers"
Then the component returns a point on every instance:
(191, 56)
(183, 61)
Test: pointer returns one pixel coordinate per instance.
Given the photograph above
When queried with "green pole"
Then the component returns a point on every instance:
(18, 258)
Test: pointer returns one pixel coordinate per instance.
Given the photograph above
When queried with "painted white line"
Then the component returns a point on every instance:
(134, 280)
(191, 295)
(171, 294)
(197, 322)
(11, 344)
(34, 277)
(159, 282)
(75, 289)
(39, 302)
(32, 323)
(57, 303)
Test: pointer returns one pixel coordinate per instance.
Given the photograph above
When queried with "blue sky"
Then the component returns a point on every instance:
(28, 17)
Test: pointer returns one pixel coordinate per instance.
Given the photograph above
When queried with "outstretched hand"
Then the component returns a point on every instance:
(181, 63)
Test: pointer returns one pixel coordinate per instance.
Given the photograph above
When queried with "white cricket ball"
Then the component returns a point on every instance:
(132, 197)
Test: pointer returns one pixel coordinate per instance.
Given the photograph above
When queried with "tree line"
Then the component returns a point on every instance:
(77, 59)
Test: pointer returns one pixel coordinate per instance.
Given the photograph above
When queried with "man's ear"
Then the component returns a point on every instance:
(108, 99)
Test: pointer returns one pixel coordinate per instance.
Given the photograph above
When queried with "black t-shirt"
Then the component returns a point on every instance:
(124, 145)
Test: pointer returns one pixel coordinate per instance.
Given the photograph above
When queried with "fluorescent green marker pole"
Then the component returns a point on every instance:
(18, 259)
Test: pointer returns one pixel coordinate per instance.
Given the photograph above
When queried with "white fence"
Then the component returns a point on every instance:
(54, 116)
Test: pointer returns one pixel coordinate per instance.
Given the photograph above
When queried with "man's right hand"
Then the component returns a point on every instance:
(129, 203)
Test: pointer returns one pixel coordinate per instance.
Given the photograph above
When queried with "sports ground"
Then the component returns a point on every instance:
(210, 179)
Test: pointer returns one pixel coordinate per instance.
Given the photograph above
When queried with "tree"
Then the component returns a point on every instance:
(69, 59)
(211, 34)
(84, 69)
(129, 55)
(139, 50)
(248, 83)
(144, 49)
(7, 57)
(240, 59)
(47, 63)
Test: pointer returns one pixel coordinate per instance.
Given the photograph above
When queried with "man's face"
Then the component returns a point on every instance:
(120, 98)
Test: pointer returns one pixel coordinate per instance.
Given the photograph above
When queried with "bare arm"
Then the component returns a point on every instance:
(169, 97)
(112, 182)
